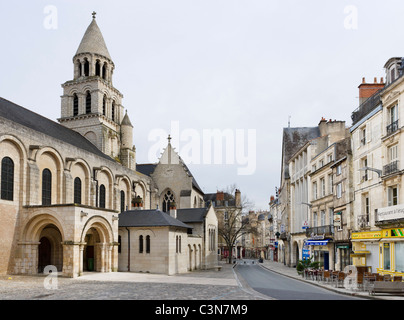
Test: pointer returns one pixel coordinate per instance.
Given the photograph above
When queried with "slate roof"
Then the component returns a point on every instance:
(149, 218)
(293, 140)
(34, 121)
(192, 214)
(146, 168)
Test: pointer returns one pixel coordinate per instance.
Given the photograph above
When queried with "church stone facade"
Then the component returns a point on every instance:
(64, 186)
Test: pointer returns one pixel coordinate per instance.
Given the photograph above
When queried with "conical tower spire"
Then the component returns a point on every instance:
(93, 41)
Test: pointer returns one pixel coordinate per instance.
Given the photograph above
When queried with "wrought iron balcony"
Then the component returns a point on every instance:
(366, 107)
(363, 221)
(391, 168)
(323, 230)
(392, 127)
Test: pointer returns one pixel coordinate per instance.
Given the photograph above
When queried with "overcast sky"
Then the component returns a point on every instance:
(236, 66)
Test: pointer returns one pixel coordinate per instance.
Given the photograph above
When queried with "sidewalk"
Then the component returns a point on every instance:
(292, 273)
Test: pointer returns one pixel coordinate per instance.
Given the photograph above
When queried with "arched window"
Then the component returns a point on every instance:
(104, 105)
(167, 199)
(140, 244)
(86, 68)
(102, 196)
(176, 245)
(7, 179)
(104, 71)
(147, 244)
(179, 244)
(77, 190)
(88, 102)
(75, 105)
(79, 66)
(113, 111)
(122, 201)
(97, 68)
(46, 187)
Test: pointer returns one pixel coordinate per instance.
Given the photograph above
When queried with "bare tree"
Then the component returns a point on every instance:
(233, 219)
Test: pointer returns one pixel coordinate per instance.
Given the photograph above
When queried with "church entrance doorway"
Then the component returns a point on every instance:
(44, 254)
(92, 240)
(50, 251)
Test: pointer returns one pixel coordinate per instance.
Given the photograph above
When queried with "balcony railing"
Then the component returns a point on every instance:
(323, 230)
(363, 221)
(391, 168)
(366, 107)
(392, 127)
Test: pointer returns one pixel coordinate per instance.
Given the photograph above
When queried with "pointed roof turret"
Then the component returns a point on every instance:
(126, 120)
(93, 41)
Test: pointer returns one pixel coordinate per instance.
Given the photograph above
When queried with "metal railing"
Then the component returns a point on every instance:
(392, 127)
(323, 230)
(366, 107)
(390, 168)
(363, 221)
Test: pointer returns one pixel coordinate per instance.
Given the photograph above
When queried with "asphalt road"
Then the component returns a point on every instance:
(281, 287)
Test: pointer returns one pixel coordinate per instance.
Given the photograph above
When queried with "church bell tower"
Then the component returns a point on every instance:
(91, 105)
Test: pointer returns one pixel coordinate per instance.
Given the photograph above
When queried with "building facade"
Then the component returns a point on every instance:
(64, 185)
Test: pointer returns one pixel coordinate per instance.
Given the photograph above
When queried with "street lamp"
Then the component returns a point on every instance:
(379, 172)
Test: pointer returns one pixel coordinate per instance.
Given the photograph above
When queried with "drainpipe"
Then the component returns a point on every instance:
(128, 248)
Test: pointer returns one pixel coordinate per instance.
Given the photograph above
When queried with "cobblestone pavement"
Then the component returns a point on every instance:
(197, 285)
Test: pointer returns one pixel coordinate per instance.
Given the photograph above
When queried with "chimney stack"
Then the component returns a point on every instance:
(237, 197)
(366, 90)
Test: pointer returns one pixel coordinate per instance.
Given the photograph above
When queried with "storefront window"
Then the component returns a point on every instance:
(386, 256)
(399, 250)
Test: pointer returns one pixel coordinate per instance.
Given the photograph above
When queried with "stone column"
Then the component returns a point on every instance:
(82, 245)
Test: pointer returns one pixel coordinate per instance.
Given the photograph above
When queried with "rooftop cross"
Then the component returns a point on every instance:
(169, 139)
(94, 14)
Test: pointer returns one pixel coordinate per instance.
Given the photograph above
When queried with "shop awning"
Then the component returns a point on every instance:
(316, 242)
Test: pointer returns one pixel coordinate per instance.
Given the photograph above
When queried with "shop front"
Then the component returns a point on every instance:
(381, 251)
(321, 251)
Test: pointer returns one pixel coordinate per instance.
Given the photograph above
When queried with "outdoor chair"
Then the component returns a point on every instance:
(387, 277)
(340, 279)
(326, 276)
(379, 277)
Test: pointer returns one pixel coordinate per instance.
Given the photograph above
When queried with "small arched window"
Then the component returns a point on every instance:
(88, 102)
(104, 105)
(104, 71)
(147, 244)
(97, 68)
(75, 105)
(140, 244)
(46, 187)
(113, 111)
(102, 196)
(7, 179)
(79, 68)
(122, 201)
(86, 68)
(77, 190)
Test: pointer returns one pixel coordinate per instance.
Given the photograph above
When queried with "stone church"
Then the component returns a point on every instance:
(72, 195)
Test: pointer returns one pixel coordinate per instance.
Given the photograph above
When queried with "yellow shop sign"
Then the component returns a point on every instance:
(367, 235)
